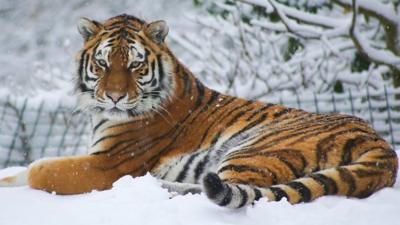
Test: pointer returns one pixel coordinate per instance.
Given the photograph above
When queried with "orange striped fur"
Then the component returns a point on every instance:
(150, 114)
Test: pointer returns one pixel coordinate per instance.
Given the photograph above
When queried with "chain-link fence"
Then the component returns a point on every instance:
(30, 129)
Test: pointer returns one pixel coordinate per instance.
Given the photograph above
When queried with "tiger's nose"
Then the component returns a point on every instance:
(115, 96)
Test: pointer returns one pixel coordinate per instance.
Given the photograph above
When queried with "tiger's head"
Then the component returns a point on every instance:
(124, 68)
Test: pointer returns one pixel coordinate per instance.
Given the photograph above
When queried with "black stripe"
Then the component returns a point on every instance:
(84, 88)
(230, 123)
(214, 96)
(349, 145)
(99, 124)
(131, 41)
(213, 186)
(304, 134)
(153, 67)
(339, 121)
(302, 189)
(200, 93)
(84, 69)
(348, 178)
(147, 82)
(282, 112)
(257, 194)
(228, 196)
(130, 27)
(123, 132)
(362, 173)
(222, 116)
(279, 154)
(289, 165)
(323, 146)
(117, 22)
(244, 197)
(375, 165)
(297, 127)
(182, 175)
(247, 127)
(246, 168)
(174, 132)
(117, 31)
(215, 139)
(160, 69)
(187, 85)
(259, 111)
(235, 118)
(200, 167)
(81, 61)
(278, 193)
(329, 185)
(154, 83)
(152, 72)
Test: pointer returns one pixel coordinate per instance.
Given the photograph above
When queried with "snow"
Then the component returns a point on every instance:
(142, 201)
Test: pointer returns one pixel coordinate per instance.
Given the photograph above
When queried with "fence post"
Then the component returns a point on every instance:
(80, 136)
(52, 122)
(37, 119)
(316, 103)
(371, 117)
(334, 102)
(66, 129)
(351, 103)
(298, 100)
(19, 123)
(3, 113)
(389, 116)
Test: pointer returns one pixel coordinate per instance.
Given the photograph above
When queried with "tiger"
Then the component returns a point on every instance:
(150, 114)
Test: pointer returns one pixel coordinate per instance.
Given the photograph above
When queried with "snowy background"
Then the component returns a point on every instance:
(298, 53)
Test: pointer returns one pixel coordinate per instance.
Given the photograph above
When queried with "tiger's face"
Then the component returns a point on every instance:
(124, 68)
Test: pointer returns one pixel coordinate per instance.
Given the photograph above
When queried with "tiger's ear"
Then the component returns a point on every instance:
(88, 28)
(157, 31)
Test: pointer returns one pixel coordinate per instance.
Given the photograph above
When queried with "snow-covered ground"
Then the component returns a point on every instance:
(142, 201)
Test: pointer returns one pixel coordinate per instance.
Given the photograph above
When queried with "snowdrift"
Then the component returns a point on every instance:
(142, 201)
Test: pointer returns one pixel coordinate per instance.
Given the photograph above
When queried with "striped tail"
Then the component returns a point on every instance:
(19, 179)
(371, 172)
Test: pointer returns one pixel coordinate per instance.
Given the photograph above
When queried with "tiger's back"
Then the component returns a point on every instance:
(150, 114)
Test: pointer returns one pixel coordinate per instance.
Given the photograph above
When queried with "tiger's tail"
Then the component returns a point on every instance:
(372, 171)
(19, 179)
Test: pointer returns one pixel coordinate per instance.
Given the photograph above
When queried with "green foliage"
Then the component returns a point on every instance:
(393, 76)
(292, 47)
(338, 87)
(259, 12)
(197, 2)
(360, 63)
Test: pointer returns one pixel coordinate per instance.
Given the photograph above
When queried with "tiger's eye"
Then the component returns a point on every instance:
(102, 62)
(135, 65)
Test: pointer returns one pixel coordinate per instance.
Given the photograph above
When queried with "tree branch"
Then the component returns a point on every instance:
(362, 45)
(386, 15)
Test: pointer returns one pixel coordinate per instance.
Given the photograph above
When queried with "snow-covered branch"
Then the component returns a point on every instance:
(362, 44)
(307, 25)
(387, 16)
(305, 17)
